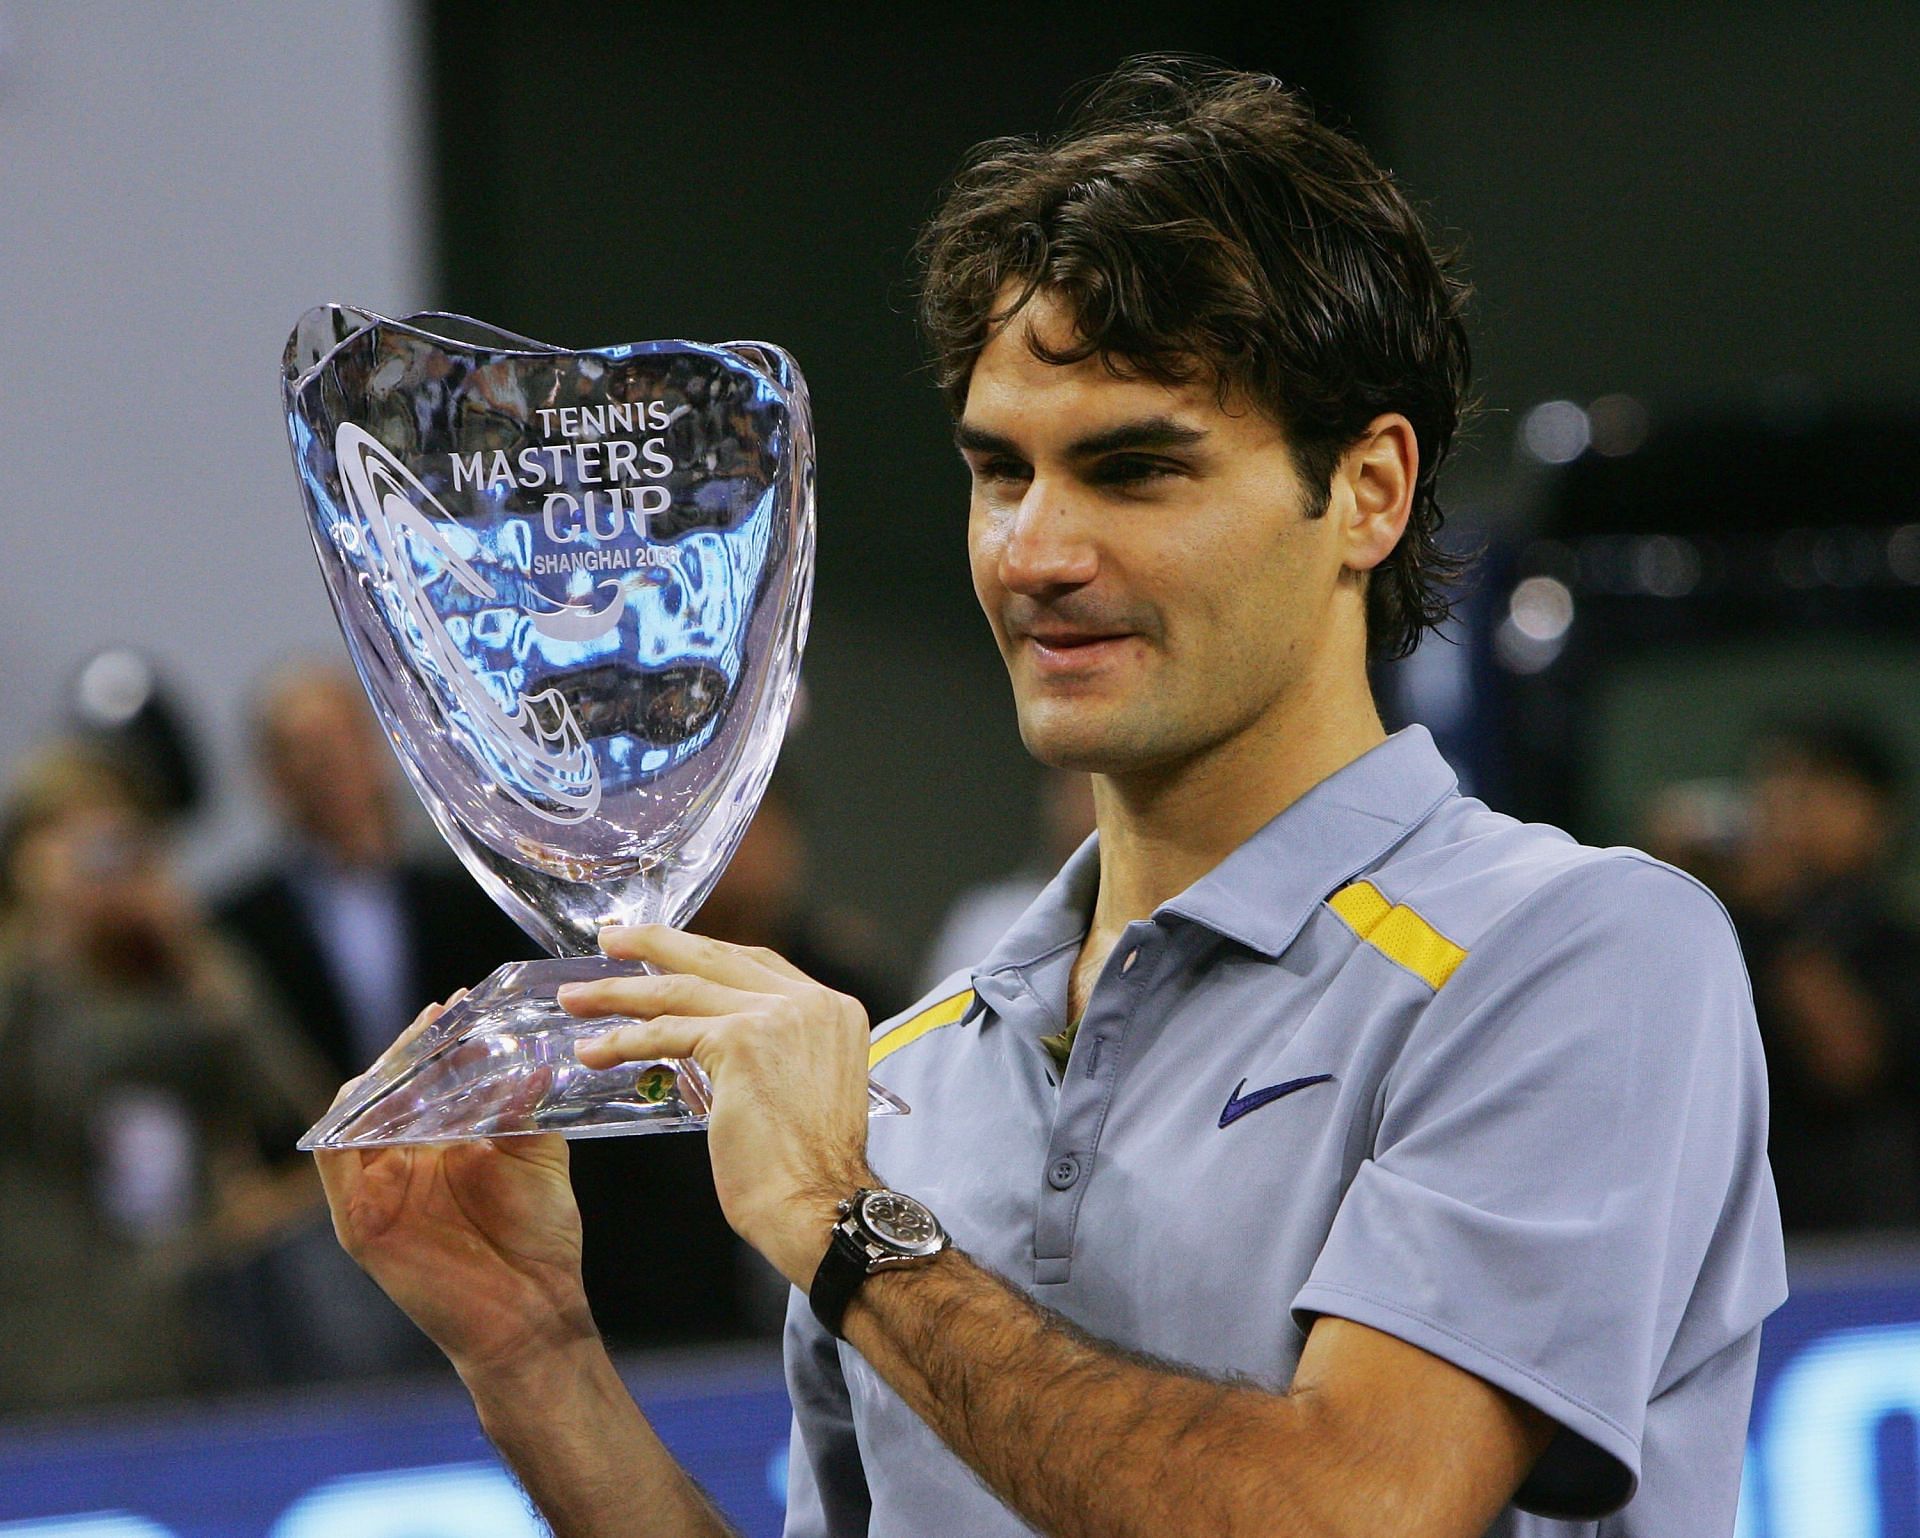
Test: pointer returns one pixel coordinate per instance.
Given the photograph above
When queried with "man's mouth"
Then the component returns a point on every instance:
(1059, 638)
(1073, 651)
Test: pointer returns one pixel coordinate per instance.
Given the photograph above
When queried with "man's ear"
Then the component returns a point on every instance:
(1376, 476)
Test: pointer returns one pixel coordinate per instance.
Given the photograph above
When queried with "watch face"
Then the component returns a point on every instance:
(901, 1222)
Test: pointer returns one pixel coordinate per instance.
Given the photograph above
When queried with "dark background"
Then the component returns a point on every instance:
(608, 173)
(1707, 206)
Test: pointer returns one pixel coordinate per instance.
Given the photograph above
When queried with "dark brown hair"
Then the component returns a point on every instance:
(1199, 222)
(69, 775)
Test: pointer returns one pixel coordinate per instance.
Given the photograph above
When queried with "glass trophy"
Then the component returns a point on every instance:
(576, 587)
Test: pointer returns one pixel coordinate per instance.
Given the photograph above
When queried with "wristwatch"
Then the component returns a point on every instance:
(878, 1231)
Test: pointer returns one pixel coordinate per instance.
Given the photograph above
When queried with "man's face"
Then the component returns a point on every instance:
(1823, 822)
(325, 757)
(1142, 554)
(87, 864)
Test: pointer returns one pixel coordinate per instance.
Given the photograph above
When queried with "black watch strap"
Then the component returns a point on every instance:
(842, 1269)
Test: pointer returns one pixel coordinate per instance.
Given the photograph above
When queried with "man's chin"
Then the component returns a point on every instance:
(1089, 740)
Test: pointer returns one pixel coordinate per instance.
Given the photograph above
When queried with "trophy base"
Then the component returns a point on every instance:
(502, 1063)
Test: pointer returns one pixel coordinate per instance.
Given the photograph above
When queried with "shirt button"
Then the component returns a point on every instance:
(1064, 1173)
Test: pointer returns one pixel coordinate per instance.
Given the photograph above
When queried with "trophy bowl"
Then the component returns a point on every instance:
(576, 587)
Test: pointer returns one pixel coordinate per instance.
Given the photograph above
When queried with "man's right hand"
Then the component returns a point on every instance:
(479, 1242)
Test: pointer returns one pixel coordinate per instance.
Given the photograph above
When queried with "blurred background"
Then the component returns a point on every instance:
(1695, 627)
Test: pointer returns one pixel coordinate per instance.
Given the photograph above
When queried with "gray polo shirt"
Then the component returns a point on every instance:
(1398, 1058)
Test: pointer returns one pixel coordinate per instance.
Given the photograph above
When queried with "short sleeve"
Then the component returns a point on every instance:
(1568, 1194)
(827, 1493)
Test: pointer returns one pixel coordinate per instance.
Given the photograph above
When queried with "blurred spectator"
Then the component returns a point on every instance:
(762, 898)
(1804, 860)
(981, 915)
(144, 1083)
(661, 1264)
(354, 933)
(120, 706)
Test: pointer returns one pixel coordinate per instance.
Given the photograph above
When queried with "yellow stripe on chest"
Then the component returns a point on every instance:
(1398, 933)
(909, 1031)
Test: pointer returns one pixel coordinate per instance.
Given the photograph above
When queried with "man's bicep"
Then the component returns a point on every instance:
(1410, 1434)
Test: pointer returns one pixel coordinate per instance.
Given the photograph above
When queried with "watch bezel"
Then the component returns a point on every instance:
(918, 1249)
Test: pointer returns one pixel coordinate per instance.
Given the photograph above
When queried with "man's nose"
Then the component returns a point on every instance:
(1048, 546)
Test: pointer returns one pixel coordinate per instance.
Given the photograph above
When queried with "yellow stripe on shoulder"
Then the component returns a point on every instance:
(909, 1031)
(1398, 933)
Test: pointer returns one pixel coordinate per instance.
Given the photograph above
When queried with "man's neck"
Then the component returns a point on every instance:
(1162, 830)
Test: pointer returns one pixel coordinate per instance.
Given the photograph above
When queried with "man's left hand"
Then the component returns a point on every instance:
(787, 1058)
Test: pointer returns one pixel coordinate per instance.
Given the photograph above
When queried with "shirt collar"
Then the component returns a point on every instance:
(1263, 892)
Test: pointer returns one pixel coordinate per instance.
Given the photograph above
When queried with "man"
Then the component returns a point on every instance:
(1835, 988)
(762, 898)
(683, 1275)
(145, 1080)
(983, 913)
(350, 930)
(1323, 1152)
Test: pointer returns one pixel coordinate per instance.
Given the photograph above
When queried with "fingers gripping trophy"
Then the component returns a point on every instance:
(576, 587)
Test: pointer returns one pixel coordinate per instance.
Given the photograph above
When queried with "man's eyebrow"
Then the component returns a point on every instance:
(969, 439)
(1159, 432)
(1147, 433)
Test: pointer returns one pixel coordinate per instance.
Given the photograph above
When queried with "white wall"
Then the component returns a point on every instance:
(179, 179)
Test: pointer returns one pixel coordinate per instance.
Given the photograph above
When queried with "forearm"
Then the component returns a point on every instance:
(1374, 1435)
(579, 1445)
(1081, 1439)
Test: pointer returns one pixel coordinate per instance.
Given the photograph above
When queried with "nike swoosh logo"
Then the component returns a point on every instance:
(1238, 1104)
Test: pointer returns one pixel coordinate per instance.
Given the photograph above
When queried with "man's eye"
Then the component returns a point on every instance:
(1129, 470)
(1001, 470)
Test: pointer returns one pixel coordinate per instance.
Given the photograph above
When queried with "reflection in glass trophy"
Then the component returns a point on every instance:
(576, 586)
